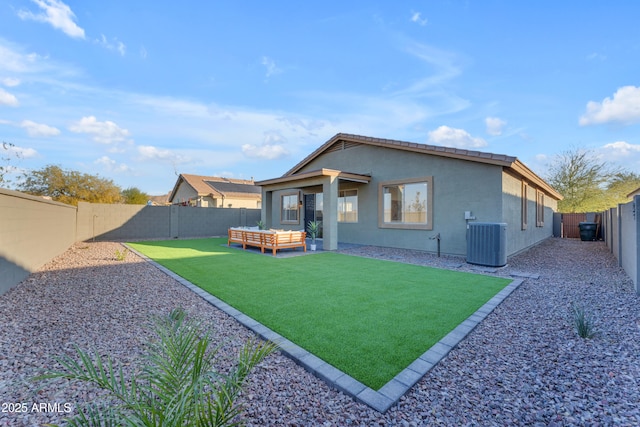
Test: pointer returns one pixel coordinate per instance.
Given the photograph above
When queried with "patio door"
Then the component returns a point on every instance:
(313, 210)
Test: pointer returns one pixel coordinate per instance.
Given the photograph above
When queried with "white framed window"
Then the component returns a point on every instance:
(289, 208)
(348, 206)
(406, 204)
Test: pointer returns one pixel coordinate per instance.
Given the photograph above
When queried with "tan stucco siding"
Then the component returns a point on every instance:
(239, 203)
(183, 193)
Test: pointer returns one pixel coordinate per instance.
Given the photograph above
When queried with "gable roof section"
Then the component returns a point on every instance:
(344, 140)
(218, 186)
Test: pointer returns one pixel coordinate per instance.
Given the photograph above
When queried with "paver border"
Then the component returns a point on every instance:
(392, 391)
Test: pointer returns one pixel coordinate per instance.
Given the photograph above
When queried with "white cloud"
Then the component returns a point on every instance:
(8, 99)
(442, 62)
(622, 148)
(494, 125)
(623, 108)
(418, 19)
(114, 45)
(451, 137)
(10, 81)
(15, 60)
(272, 147)
(19, 152)
(103, 132)
(271, 67)
(111, 165)
(56, 13)
(39, 130)
(149, 152)
(265, 151)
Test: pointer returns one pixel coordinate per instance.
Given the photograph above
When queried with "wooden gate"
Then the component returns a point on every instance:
(570, 224)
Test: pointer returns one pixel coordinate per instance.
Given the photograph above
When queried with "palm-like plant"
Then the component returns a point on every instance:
(314, 229)
(179, 385)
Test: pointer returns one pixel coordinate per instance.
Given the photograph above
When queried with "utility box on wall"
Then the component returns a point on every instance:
(487, 243)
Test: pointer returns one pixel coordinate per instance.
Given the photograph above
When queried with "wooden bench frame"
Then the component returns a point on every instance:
(268, 239)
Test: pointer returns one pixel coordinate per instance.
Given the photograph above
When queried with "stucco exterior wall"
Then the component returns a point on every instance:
(183, 193)
(237, 203)
(518, 238)
(458, 186)
(32, 231)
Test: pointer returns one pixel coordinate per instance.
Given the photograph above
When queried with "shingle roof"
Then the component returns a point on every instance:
(219, 186)
(475, 156)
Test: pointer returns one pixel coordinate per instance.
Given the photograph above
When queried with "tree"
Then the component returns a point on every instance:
(5, 158)
(133, 196)
(70, 187)
(621, 185)
(582, 179)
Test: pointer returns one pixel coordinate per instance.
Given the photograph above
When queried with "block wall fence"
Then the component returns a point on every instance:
(34, 230)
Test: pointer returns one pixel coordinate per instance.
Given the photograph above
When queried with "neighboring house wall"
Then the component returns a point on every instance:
(458, 186)
(32, 231)
(236, 203)
(184, 193)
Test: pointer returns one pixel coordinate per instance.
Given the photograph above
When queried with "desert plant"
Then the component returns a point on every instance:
(122, 255)
(260, 225)
(178, 386)
(583, 321)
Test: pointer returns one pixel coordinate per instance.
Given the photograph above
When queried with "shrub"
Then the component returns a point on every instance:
(583, 321)
(178, 386)
(122, 255)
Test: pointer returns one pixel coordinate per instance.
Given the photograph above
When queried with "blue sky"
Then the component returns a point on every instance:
(137, 91)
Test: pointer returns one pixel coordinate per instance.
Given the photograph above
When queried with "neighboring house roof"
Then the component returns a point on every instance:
(215, 186)
(635, 192)
(344, 140)
(160, 200)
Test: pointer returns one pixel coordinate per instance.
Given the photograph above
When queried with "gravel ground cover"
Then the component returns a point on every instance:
(524, 365)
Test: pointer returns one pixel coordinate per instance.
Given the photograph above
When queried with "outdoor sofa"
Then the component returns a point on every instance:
(267, 239)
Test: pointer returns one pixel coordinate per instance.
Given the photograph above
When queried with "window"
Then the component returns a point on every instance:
(348, 206)
(289, 209)
(406, 204)
(539, 209)
(525, 206)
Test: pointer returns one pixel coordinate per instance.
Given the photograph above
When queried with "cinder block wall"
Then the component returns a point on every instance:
(629, 242)
(99, 221)
(32, 231)
(134, 222)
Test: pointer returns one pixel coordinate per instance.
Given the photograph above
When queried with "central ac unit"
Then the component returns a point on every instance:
(487, 243)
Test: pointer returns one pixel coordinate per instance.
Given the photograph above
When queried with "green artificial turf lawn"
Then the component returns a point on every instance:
(369, 318)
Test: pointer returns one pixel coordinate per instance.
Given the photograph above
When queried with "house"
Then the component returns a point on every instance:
(634, 193)
(215, 192)
(162, 200)
(383, 192)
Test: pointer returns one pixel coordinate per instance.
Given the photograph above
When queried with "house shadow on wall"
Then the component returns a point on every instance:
(10, 274)
(105, 222)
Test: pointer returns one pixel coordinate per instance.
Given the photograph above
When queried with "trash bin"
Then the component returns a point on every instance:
(588, 231)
